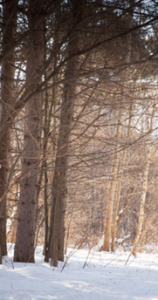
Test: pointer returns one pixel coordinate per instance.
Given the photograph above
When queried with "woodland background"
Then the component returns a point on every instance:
(78, 125)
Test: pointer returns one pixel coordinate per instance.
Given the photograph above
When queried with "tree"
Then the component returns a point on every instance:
(6, 104)
(94, 51)
(145, 175)
(27, 207)
(59, 188)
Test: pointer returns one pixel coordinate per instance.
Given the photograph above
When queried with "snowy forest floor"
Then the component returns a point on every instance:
(93, 276)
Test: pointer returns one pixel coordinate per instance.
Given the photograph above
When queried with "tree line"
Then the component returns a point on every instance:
(78, 124)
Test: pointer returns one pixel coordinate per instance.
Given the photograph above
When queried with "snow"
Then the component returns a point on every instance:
(85, 276)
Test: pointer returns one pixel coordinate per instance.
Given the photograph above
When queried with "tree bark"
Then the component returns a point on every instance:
(109, 232)
(59, 186)
(59, 189)
(123, 158)
(7, 80)
(27, 207)
(110, 202)
(144, 188)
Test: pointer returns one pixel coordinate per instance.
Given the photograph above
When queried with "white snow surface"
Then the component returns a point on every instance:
(84, 276)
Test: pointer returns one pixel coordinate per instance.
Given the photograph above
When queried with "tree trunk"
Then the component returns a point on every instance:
(59, 186)
(142, 204)
(144, 188)
(114, 180)
(59, 182)
(7, 80)
(114, 226)
(27, 207)
(113, 183)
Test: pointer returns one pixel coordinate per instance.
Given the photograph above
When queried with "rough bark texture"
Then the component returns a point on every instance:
(59, 181)
(7, 77)
(24, 247)
(59, 189)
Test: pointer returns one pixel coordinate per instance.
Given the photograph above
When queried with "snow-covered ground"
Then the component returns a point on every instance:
(99, 276)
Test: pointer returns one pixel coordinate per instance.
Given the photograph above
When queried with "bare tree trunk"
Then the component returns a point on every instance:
(59, 189)
(144, 188)
(113, 183)
(7, 80)
(24, 247)
(59, 186)
(114, 226)
(114, 180)
(47, 125)
(142, 203)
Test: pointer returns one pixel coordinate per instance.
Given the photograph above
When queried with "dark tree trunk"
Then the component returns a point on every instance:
(7, 80)
(59, 186)
(24, 247)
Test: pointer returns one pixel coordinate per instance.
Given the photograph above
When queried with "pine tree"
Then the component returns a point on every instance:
(27, 207)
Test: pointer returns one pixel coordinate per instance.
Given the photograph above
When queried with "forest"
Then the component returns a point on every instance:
(78, 126)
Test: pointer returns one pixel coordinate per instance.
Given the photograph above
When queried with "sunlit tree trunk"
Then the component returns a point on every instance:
(115, 182)
(7, 80)
(112, 190)
(145, 174)
(24, 247)
(118, 192)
